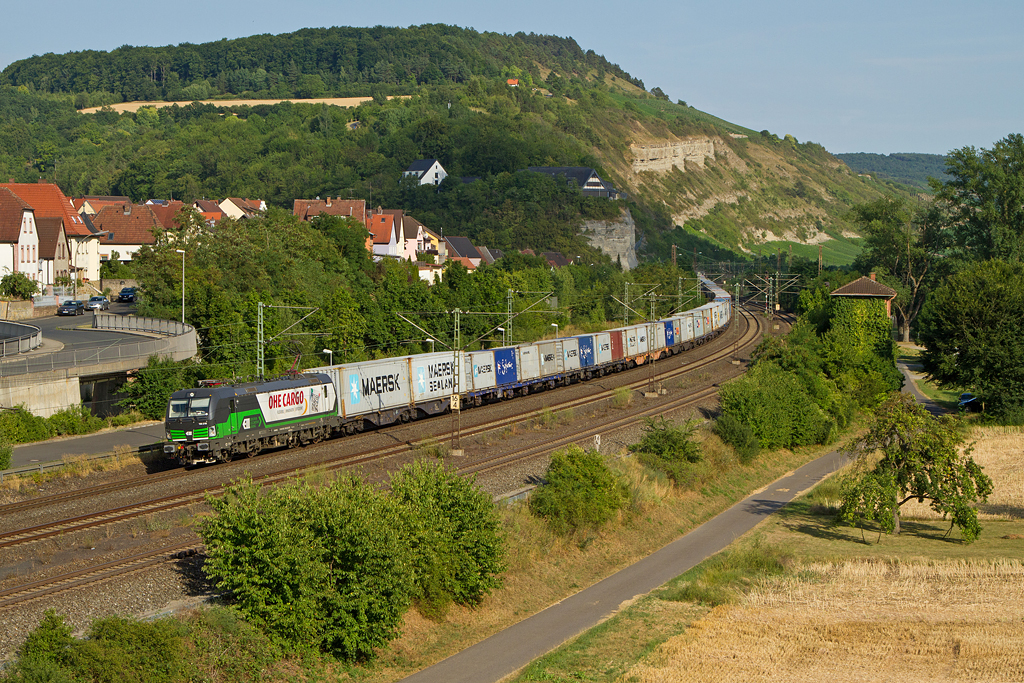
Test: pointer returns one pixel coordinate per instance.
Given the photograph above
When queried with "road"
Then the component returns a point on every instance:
(508, 651)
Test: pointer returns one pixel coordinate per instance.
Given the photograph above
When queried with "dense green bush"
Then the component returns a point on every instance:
(115, 649)
(668, 448)
(76, 420)
(6, 453)
(774, 404)
(580, 491)
(456, 536)
(325, 568)
(20, 426)
(739, 436)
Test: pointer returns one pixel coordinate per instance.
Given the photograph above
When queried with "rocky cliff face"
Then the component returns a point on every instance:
(615, 238)
(661, 157)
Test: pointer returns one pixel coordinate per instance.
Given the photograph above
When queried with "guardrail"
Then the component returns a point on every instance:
(17, 338)
(176, 340)
(131, 323)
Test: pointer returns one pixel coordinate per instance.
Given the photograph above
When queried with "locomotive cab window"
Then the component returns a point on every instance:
(177, 407)
(199, 407)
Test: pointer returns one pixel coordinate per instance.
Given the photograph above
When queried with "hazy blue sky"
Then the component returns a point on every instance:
(869, 76)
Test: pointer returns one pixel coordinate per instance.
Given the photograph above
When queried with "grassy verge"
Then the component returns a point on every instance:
(799, 598)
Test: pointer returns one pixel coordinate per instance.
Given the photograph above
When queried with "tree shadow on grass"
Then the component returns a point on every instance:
(799, 519)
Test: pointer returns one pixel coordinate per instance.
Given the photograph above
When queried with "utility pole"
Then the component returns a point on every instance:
(260, 361)
(673, 256)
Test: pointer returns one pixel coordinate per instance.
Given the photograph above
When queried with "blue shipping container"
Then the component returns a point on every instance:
(670, 334)
(505, 364)
(586, 351)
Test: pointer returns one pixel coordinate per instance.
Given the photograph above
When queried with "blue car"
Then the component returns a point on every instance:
(969, 403)
(71, 308)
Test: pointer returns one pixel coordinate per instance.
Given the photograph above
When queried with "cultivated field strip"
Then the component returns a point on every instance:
(110, 570)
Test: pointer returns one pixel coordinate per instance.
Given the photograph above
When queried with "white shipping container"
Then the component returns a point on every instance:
(602, 348)
(433, 375)
(529, 362)
(550, 356)
(570, 353)
(376, 385)
(480, 370)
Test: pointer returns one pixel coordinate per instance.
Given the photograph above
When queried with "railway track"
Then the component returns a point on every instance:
(93, 574)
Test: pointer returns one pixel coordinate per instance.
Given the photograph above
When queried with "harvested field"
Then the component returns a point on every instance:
(1000, 451)
(859, 621)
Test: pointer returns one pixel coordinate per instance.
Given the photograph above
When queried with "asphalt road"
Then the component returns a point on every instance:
(92, 444)
(508, 651)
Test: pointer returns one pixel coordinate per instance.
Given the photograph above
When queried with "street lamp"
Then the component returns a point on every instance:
(555, 325)
(330, 356)
(431, 340)
(502, 330)
(182, 252)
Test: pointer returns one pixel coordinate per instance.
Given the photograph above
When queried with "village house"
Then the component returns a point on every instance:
(126, 229)
(54, 250)
(19, 237)
(384, 234)
(426, 171)
(583, 177)
(47, 200)
(237, 208)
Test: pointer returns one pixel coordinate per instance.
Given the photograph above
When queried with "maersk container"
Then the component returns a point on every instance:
(529, 362)
(603, 348)
(570, 354)
(376, 385)
(550, 356)
(481, 370)
(433, 375)
(586, 346)
(506, 365)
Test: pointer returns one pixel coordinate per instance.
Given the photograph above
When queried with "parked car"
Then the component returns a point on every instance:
(969, 403)
(127, 294)
(98, 303)
(75, 307)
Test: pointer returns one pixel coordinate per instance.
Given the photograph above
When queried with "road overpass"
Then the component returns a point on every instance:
(50, 377)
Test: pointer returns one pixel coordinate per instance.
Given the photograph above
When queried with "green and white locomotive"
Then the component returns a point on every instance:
(215, 423)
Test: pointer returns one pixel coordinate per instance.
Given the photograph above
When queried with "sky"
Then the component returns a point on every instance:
(871, 76)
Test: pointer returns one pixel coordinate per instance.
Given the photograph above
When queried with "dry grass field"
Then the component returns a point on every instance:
(918, 607)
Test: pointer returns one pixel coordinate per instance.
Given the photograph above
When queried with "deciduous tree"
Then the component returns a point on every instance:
(922, 458)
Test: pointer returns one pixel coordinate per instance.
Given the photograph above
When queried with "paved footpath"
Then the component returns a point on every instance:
(134, 437)
(508, 651)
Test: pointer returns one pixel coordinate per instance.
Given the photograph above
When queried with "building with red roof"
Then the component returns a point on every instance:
(126, 229)
(47, 201)
(19, 237)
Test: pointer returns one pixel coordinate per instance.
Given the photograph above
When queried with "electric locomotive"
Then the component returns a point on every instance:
(213, 423)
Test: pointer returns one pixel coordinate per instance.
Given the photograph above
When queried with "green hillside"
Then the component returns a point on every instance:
(740, 189)
(910, 169)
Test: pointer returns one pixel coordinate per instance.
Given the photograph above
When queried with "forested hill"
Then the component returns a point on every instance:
(909, 169)
(338, 61)
(688, 174)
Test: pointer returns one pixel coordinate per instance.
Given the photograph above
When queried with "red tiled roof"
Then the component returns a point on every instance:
(166, 213)
(307, 209)
(865, 287)
(382, 227)
(12, 209)
(48, 201)
(128, 224)
(49, 236)
(468, 262)
(208, 206)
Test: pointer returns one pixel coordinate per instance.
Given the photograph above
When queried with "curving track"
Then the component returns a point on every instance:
(743, 341)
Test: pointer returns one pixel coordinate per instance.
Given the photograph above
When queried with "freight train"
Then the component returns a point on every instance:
(214, 423)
